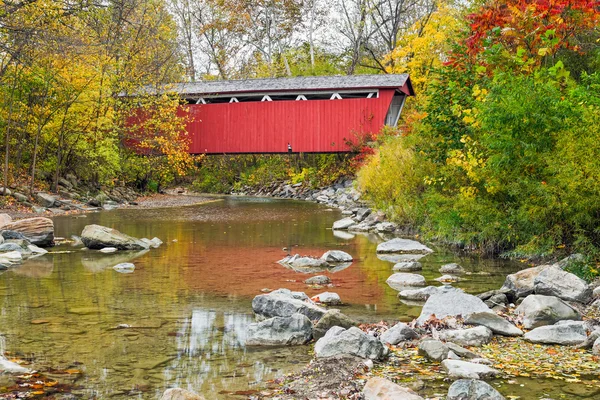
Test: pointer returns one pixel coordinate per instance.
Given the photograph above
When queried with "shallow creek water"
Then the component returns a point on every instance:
(188, 303)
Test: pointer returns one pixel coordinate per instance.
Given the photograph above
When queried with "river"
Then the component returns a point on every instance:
(188, 303)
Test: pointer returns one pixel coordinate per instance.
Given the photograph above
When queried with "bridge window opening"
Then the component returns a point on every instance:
(393, 114)
(261, 97)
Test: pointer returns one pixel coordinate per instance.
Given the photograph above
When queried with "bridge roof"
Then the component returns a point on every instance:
(295, 84)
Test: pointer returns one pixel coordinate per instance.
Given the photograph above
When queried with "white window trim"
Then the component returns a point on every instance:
(301, 97)
(266, 98)
(335, 96)
(234, 100)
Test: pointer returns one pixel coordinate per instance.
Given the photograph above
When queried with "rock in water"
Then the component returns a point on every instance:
(180, 394)
(318, 280)
(520, 284)
(339, 341)
(108, 250)
(280, 331)
(9, 367)
(402, 280)
(408, 266)
(463, 369)
(332, 318)
(452, 304)
(562, 284)
(343, 224)
(541, 310)
(566, 333)
(472, 389)
(336, 256)
(383, 389)
(468, 337)
(494, 322)
(452, 268)
(303, 262)
(282, 303)
(38, 230)
(399, 333)
(328, 298)
(424, 293)
(98, 237)
(124, 268)
(398, 245)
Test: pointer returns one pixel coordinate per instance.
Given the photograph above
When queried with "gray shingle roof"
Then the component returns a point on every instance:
(302, 83)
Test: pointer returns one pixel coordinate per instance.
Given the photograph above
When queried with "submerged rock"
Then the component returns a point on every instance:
(565, 333)
(180, 394)
(451, 304)
(448, 279)
(399, 333)
(398, 245)
(468, 337)
(472, 389)
(332, 318)
(98, 237)
(124, 268)
(463, 369)
(539, 310)
(280, 331)
(282, 303)
(401, 280)
(352, 341)
(382, 389)
(564, 285)
(494, 322)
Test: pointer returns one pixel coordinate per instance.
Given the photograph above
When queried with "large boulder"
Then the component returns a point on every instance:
(520, 284)
(399, 333)
(98, 237)
(45, 199)
(494, 322)
(382, 389)
(398, 245)
(539, 310)
(423, 294)
(433, 349)
(38, 230)
(472, 389)
(451, 304)
(403, 280)
(562, 284)
(459, 369)
(336, 256)
(468, 337)
(332, 318)
(280, 331)
(352, 341)
(5, 219)
(180, 394)
(283, 303)
(564, 332)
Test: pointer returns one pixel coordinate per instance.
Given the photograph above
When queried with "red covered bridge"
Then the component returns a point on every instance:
(307, 114)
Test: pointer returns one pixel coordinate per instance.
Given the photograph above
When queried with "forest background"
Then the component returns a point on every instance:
(498, 152)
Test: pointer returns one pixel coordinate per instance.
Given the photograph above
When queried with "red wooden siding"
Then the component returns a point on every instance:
(311, 126)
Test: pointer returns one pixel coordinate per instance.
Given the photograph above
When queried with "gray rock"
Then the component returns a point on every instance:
(9, 367)
(153, 243)
(344, 223)
(399, 333)
(180, 394)
(330, 319)
(282, 303)
(448, 279)
(303, 262)
(494, 322)
(5, 219)
(124, 268)
(423, 294)
(565, 285)
(461, 351)
(468, 337)
(352, 341)
(21, 198)
(45, 199)
(398, 245)
(458, 369)
(572, 259)
(408, 266)
(401, 280)
(38, 230)
(336, 256)
(396, 258)
(328, 298)
(361, 214)
(433, 349)
(36, 250)
(539, 310)
(385, 227)
(97, 237)
(10, 257)
(596, 293)
(5, 192)
(520, 284)
(280, 331)
(453, 303)
(596, 347)
(472, 389)
(382, 389)
(567, 333)
(318, 280)
(496, 300)
(452, 268)
(5, 247)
